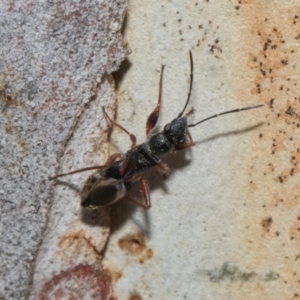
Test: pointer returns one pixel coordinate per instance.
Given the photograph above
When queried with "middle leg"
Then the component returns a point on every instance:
(131, 136)
(146, 194)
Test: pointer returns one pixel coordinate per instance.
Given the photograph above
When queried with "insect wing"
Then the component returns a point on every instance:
(100, 191)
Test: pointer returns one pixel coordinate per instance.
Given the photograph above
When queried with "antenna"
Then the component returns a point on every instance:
(191, 85)
(226, 112)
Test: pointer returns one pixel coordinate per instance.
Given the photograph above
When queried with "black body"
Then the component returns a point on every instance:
(147, 155)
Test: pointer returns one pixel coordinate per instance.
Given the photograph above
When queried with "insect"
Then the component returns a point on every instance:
(121, 172)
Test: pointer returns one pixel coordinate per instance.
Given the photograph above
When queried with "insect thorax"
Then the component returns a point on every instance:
(159, 144)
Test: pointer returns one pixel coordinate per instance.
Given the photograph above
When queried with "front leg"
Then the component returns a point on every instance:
(187, 144)
(152, 119)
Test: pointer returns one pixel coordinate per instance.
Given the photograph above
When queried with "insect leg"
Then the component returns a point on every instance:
(146, 194)
(152, 119)
(131, 136)
(124, 167)
(108, 163)
(145, 190)
(187, 144)
(163, 167)
(112, 159)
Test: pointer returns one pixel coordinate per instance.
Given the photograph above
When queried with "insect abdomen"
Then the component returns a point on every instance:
(99, 191)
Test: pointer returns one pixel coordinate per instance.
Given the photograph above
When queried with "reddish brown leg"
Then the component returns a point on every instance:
(132, 136)
(124, 167)
(186, 145)
(152, 119)
(146, 194)
(145, 190)
(109, 162)
(163, 167)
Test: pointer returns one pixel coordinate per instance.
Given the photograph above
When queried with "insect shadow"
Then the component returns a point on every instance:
(124, 210)
(121, 211)
(229, 133)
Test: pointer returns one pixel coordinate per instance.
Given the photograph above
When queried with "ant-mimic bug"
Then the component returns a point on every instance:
(121, 172)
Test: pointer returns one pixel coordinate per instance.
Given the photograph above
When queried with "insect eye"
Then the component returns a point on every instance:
(167, 128)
